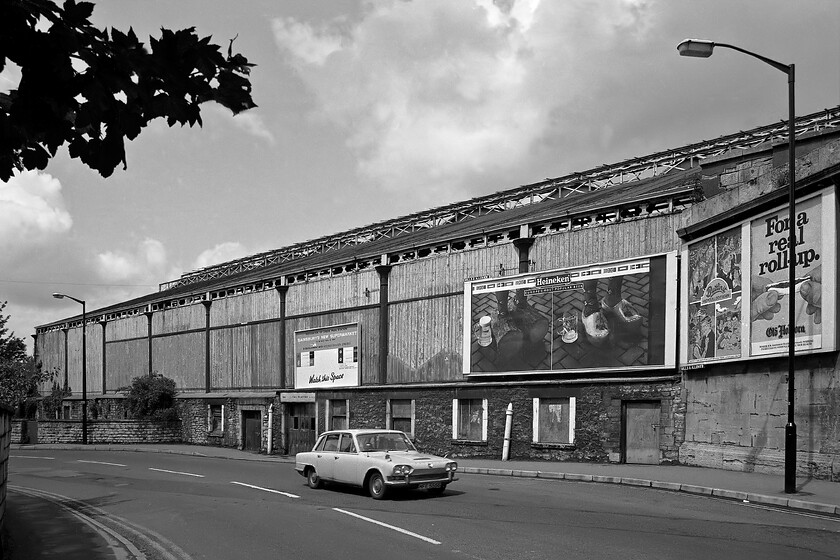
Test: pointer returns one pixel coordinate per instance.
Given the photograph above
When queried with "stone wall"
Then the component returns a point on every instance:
(736, 417)
(107, 431)
(598, 427)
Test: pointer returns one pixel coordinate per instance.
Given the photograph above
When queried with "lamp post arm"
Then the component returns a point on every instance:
(786, 68)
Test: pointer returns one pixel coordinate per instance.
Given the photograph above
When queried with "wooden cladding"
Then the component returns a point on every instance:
(446, 273)
(425, 341)
(356, 289)
(424, 315)
(601, 244)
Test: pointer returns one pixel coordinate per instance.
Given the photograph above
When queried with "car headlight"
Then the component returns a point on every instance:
(403, 470)
(451, 467)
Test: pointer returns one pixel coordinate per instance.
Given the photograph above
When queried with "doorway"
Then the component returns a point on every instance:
(251, 430)
(641, 432)
(301, 427)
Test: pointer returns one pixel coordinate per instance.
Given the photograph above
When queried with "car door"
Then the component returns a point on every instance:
(325, 457)
(348, 462)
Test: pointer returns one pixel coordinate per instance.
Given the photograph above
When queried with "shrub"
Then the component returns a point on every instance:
(151, 397)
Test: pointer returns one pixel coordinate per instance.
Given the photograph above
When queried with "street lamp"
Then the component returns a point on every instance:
(703, 49)
(84, 364)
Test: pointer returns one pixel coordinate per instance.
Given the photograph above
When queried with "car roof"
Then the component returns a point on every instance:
(360, 431)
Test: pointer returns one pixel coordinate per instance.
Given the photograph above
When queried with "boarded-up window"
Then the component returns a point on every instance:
(338, 415)
(401, 415)
(554, 420)
(471, 419)
(215, 418)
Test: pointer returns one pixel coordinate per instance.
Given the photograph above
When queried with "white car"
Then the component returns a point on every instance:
(374, 459)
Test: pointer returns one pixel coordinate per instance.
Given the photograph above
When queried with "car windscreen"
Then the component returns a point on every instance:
(384, 442)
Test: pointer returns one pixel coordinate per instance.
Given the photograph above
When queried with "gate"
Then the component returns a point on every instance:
(251, 430)
(301, 427)
(641, 432)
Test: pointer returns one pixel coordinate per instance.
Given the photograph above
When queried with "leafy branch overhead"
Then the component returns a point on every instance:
(91, 89)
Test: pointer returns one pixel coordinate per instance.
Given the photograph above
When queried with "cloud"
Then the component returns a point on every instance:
(148, 261)
(32, 213)
(435, 93)
(222, 252)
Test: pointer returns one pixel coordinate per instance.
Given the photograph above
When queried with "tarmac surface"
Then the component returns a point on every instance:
(26, 516)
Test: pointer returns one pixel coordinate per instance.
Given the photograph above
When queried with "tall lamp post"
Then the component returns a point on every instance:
(703, 49)
(84, 364)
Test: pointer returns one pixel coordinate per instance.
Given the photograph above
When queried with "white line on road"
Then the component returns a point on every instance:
(398, 529)
(32, 457)
(287, 494)
(100, 463)
(177, 472)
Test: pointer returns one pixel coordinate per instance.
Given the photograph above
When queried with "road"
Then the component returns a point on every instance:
(175, 507)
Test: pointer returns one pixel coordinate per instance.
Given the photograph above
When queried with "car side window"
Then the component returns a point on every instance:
(320, 445)
(331, 442)
(347, 445)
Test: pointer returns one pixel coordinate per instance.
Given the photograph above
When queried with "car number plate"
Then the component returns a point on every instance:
(427, 485)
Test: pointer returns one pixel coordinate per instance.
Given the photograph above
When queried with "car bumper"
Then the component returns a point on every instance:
(422, 482)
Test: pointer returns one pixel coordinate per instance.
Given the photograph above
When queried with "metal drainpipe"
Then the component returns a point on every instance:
(270, 428)
(508, 426)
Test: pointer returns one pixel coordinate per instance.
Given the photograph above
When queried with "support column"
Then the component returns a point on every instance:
(384, 270)
(102, 323)
(523, 245)
(65, 330)
(206, 302)
(148, 315)
(282, 290)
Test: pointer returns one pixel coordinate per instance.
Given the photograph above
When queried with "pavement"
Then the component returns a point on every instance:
(812, 495)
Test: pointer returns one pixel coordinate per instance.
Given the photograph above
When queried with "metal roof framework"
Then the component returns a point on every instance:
(601, 177)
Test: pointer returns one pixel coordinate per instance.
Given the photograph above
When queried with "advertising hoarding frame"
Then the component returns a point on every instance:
(761, 320)
(548, 309)
(326, 356)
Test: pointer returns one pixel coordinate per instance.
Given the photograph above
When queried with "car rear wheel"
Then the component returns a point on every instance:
(312, 478)
(376, 486)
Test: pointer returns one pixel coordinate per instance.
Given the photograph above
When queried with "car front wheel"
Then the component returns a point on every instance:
(312, 479)
(376, 486)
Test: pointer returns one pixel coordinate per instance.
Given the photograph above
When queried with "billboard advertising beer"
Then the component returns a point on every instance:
(606, 316)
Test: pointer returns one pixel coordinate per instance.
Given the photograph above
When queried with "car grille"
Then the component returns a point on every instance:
(427, 475)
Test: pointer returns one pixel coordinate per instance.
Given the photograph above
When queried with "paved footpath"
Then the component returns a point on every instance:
(816, 496)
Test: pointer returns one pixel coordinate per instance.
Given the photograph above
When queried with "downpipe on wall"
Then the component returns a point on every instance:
(270, 428)
(508, 426)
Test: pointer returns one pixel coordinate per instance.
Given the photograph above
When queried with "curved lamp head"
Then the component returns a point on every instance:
(58, 296)
(699, 48)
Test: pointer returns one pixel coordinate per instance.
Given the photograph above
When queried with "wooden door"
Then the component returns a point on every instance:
(641, 433)
(301, 427)
(252, 430)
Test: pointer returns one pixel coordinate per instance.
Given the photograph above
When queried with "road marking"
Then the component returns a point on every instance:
(100, 463)
(287, 494)
(397, 529)
(32, 457)
(123, 530)
(177, 472)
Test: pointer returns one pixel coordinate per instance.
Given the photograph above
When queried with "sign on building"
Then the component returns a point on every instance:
(736, 291)
(327, 357)
(607, 316)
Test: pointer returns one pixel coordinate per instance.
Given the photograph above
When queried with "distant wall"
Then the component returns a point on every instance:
(5, 441)
(107, 431)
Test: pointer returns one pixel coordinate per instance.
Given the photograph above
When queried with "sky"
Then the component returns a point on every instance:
(370, 110)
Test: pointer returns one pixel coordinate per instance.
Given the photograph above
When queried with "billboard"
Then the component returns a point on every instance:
(607, 316)
(736, 292)
(327, 357)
